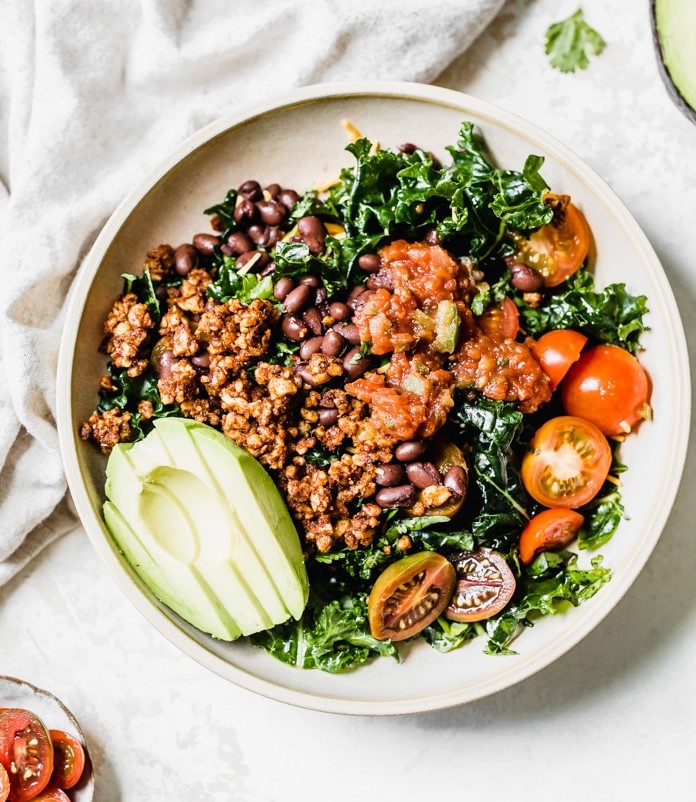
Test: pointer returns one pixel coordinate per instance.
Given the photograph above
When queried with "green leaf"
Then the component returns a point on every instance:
(602, 518)
(570, 43)
(232, 283)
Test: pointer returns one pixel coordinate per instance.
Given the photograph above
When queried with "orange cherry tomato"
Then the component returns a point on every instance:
(410, 594)
(567, 463)
(68, 759)
(558, 249)
(550, 529)
(556, 351)
(26, 753)
(52, 794)
(607, 386)
(501, 321)
(4, 784)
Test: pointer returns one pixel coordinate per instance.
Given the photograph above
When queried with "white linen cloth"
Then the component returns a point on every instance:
(93, 94)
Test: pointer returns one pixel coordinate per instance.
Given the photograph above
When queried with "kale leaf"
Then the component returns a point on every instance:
(610, 316)
(602, 518)
(144, 288)
(231, 283)
(332, 637)
(570, 43)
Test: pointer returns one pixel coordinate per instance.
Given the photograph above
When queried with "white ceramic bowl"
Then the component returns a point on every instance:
(298, 140)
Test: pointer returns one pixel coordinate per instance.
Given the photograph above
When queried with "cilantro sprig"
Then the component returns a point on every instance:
(571, 42)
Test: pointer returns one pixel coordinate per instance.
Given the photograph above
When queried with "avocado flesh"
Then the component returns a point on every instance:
(206, 529)
(675, 24)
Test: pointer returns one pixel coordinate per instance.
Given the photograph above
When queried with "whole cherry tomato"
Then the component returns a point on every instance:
(556, 351)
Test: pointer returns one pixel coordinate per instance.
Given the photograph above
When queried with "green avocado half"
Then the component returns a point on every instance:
(674, 34)
(205, 528)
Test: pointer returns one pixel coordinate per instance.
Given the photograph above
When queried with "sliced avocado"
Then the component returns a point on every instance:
(206, 529)
(674, 34)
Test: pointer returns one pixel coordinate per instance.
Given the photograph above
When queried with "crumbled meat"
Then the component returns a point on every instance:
(236, 330)
(107, 428)
(192, 292)
(180, 384)
(127, 327)
(160, 262)
(176, 327)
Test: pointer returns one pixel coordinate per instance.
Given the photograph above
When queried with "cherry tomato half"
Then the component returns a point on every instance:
(26, 752)
(567, 464)
(52, 794)
(550, 529)
(410, 594)
(557, 249)
(4, 784)
(485, 584)
(68, 759)
(607, 386)
(556, 351)
(501, 321)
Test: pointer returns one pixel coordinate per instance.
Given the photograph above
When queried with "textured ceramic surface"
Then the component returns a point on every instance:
(298, 141)
(55, 716)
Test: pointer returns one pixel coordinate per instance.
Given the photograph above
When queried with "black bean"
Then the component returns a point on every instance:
(321, 298)
(349, 332)
(408, 147)
(432, 237)
(161, 294)
(339, 311)
(311, 280)
(283, 287)
(423, 474)
(310, 347)
(294, 328)
(185, 259)
(313, 233)
(165, 363)
(261, 259)
(526, 278)
(251, 190)
(201, 360)
(273, 190)
(238, 242)
(327, 417)
(298, 299)
(355, 365)
(312, 317)
(457, 481)
(244, 213)
(268, 269)
(363, 298)
(410, 450)
(305, 375)
(377, 280)
(390, 475)
(257, 232)
(369, 262)
(272, 212)
(205, 243)
(399, 496)
(333, 343)
(288, 197)
(269, 237)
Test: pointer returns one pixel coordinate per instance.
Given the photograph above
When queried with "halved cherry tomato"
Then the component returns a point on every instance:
(567, 464)
(550, 529)
(26, 752)
(557, 249)
(4, 784)
(556, 351)
(410, 594)
(52, 794)
(485, 584)
(68, 759)
(607, 386)
(501, 321)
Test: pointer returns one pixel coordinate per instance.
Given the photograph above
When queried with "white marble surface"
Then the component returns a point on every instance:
(613, 719)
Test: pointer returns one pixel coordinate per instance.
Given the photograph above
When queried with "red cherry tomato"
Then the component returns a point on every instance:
(68, 759)
(485, 584)
(4, 784)
(550, 529)
(558, 249)
(52, 794)
(410, 594)
(567, 464)
(26, 753)
(556, 351)
(607, 386)
(501, 321)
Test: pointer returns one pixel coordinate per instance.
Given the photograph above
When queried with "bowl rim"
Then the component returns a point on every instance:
(386, 90)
